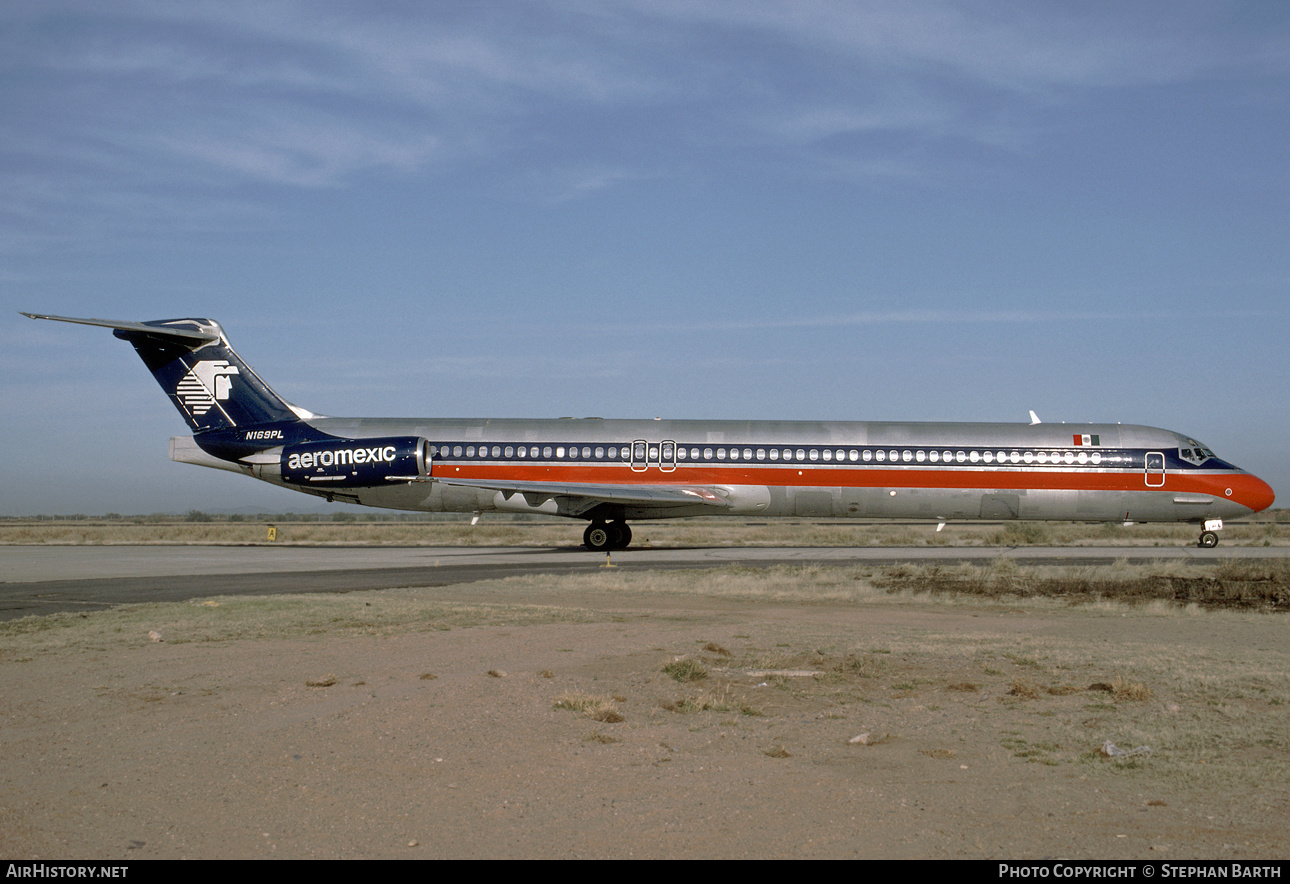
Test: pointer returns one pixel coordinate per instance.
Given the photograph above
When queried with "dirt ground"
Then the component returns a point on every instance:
(890, 726)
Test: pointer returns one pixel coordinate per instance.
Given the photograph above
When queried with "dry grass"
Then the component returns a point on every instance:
(1025, 689)
(685, 669)
(1125, 691)
(1266, 529)
(939, 753)
(1233, 583)
(1210, 720)
(718, 701)
(237, 618)
(597, 707)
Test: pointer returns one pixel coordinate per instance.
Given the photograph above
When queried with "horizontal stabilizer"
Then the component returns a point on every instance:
(187, 335)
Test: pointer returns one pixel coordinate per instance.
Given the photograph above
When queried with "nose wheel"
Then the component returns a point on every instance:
(1209, 533)
(602, 536)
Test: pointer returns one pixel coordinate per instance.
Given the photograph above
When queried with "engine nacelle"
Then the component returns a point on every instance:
(351, 463)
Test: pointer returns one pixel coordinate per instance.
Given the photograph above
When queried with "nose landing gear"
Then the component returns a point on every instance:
(1209, 537)
(601, 536)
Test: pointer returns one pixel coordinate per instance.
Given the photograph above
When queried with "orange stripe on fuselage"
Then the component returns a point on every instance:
(1192, 482)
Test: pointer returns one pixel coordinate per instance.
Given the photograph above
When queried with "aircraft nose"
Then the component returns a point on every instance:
(1252, 492)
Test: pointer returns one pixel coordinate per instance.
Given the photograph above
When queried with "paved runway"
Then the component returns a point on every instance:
(39, 580)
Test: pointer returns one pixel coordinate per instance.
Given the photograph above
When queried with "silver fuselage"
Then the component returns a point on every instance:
(1091, 472)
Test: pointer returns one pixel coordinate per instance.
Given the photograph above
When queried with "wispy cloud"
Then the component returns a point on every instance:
(216, 95)
(757, 321)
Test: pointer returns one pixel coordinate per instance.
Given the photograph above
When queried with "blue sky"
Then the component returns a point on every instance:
(809, 209)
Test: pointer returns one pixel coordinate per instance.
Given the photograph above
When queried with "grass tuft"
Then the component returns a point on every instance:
(597, 707)
(1125, 691)
(685, 670)
(1025, 689)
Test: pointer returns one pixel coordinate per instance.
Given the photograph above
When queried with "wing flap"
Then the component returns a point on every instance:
(644, 495)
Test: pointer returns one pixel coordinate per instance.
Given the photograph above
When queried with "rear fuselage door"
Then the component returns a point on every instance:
(667, 455)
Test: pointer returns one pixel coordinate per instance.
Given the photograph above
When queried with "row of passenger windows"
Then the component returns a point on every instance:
(682, 453)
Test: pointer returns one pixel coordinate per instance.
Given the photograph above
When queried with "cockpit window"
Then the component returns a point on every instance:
(1194, 452)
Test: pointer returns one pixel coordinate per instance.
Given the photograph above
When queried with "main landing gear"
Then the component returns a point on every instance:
(602, 536)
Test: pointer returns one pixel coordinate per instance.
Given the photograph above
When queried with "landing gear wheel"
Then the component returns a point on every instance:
(597, 537)
(1208, 540)
(619, 535)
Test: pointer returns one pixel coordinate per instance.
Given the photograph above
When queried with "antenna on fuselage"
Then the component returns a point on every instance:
(1034, 418)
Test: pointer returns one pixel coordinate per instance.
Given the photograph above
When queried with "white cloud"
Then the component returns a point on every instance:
(130, 98)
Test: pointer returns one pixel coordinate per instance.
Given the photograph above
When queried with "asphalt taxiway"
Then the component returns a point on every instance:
(40, 580)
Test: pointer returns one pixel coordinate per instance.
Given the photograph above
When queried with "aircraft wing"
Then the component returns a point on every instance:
(584, 497)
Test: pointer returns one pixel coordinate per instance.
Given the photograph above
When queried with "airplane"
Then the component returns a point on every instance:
(608, 472)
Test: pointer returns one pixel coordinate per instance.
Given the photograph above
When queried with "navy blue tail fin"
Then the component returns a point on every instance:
(206, 380)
